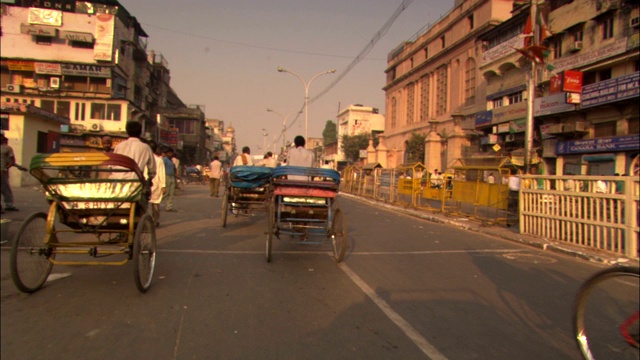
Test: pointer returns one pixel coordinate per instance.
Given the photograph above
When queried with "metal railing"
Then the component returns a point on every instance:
(600, 212)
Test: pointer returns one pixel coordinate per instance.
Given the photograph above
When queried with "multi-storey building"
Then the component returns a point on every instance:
(355, 119)
(85, 61)
(585, 108)
(433, 87)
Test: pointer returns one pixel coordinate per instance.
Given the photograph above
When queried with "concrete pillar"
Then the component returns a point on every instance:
(371, 152)
(433, 149)
(382, 153)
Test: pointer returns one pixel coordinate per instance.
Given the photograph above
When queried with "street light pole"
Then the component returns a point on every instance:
(264, 141)
(284, 125)
(306, 95)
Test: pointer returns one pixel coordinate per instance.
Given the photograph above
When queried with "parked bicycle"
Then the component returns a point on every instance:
(606, 316)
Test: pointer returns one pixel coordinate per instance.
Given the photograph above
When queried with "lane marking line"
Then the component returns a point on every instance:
(417, 339)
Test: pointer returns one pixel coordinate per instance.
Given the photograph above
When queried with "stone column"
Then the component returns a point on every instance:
(371, 152)
(382, 153)
(432, 149)
(455, 143)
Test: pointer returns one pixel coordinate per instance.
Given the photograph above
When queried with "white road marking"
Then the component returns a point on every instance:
(417, 339)
(499, 251)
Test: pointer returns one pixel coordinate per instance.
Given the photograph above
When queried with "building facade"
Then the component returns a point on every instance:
(433, 87)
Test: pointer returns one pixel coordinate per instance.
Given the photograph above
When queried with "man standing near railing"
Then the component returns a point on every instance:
(514, 193)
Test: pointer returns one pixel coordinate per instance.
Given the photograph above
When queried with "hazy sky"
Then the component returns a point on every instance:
(223, 54)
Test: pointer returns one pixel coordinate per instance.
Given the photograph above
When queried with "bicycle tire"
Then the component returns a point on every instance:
(604, 309)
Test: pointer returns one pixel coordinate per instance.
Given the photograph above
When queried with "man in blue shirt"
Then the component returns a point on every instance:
(170, 178)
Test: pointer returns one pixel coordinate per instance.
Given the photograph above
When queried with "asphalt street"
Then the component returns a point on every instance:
(412, 286)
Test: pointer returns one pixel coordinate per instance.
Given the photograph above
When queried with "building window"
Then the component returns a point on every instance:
(114, 112)
(80, 111)
(604, 74)
(81, 45)
(411, 63)
(442, 41)
(394, 113)
(607, 27)
(497, 103)
(48, 105)
(183, 126)
(63, 108)
(411, 99)
(470, 21)
(515, 98)
(98, 111)
(43, 40)
(424, 98)
(470, 81)
(557, 48)
(441, 90)
(426, 53)
(578, 35)
(605, 129)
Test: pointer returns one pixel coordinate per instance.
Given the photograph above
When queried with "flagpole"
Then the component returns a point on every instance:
(531, 89)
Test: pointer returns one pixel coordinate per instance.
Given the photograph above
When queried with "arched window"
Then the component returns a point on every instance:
(394, 113)
(470, 81)
(411, 99)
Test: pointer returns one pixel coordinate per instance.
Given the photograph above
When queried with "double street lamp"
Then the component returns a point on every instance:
(306, 95)
(284, 124)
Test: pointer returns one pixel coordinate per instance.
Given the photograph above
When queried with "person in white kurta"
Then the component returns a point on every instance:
(158, 186)
(299, 156)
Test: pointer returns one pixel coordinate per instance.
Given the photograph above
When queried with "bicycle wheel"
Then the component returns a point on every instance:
(338, 236)
(605, 315)
(225, 205)
(144, 252)
(270, 229)
(30, 265)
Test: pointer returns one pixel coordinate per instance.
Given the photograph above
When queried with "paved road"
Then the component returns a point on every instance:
(407, 289)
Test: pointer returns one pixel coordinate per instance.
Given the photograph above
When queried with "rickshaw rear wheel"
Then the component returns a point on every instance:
(338, 236)
(144, 252)
(30, 265)
(225, 205)
(271, 212)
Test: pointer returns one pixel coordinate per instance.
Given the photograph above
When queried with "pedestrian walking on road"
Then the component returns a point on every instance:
(215, 173)
(8, 160)
(170, 178)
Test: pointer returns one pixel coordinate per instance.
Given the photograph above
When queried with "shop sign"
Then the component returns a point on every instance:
(102, 49)
(45, 17)
(86, 70)
(518, 126)
(48, 68)
(572, 81)
(499, 51)
(63, 5)
(510, 112)
(484, 118)
(614, 143)
(551, 104)
(71, 140)
(19, 65)
(504, 128)
(77, 36)
(603, 92)
(573, 98)
(37, 30)
(589, 57)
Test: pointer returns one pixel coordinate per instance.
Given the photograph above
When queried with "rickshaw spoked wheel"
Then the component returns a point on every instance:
(30, 265)
(225, 205)
(144, 252)
(271, 212)
(338, 236)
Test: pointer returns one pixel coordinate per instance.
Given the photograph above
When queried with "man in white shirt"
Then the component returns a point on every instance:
(299, 156)
(134, 148)
(268, 160)
(244, 158)
(215, 172)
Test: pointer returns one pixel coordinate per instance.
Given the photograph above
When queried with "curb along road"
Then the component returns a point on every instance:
(509, 234)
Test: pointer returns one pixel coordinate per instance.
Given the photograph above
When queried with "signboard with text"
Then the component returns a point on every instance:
(614, 143)
(603, 92)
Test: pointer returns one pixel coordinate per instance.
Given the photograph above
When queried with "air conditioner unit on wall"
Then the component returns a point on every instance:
(634, 22)
(95, 127)
(510, 138)
(577, 46)
(54, 83)
(13, 88)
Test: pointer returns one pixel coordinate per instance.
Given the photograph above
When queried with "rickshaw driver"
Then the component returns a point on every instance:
(140, 152)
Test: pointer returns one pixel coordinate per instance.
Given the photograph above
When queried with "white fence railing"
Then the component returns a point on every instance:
(595, 211)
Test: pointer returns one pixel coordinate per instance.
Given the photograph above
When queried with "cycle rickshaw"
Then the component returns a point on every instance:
(97, 200)
(304, 209)
(248, 189)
